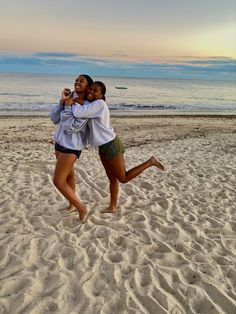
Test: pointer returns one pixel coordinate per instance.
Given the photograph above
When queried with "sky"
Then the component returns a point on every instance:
(136, 38)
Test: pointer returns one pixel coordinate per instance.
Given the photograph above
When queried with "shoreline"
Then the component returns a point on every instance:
(138, 116)
(132, 113)
(133, 130)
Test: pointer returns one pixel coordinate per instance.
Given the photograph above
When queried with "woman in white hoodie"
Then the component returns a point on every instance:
(68, 146)
(101, 134)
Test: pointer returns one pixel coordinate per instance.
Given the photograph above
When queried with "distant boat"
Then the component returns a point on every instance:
(121, 87)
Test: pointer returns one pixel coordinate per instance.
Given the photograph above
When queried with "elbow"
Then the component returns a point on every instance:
(68, 131)
(54, 121)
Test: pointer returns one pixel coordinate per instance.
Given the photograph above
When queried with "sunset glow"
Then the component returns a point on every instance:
(126, 31)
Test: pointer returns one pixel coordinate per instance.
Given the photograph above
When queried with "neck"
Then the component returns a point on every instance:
(80, 95)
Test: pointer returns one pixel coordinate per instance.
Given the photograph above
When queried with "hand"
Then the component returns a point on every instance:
(79, 100)
(69, 101)
(66, 94)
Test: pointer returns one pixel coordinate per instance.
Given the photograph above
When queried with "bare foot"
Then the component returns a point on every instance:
(157, 163)
(70, 208)
(83, 215)
(109, 210)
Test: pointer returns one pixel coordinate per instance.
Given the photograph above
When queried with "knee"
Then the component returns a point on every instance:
(122, 179)
(113, 180)
(58, 182)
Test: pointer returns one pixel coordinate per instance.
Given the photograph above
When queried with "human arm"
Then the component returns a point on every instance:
(88, 110)
(55, 113)
(69, 123)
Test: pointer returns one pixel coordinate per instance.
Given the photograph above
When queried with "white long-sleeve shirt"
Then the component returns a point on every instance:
(99, 121)
(76, 137)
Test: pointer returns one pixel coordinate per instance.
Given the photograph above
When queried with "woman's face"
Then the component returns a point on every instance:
(81, 85)
(94, 93)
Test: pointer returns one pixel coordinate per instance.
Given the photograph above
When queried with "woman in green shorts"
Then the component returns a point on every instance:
(111, 149)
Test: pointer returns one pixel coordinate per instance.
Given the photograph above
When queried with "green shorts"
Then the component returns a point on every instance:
(112, 148)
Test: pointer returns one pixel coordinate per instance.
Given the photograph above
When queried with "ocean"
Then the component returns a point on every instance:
(26, 94)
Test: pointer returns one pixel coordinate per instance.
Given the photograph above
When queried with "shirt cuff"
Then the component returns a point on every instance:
(59, 106)
(68, 108)
(76, 104)
(76, 107)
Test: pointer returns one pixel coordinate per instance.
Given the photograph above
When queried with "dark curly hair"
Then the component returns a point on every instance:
(102, 87)
(88, 79)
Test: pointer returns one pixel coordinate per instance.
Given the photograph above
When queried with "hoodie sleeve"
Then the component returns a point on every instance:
(89, 110)
(69, 123)
(56, 113)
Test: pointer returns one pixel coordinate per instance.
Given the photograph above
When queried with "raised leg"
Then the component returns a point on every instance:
(118, 169)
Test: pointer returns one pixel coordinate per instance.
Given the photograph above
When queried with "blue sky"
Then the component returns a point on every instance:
(62, 63)
(151, 38)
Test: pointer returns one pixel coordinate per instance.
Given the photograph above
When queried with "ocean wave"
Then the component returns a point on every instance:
(190, 107)
(19, 94)
(42, 106)
(39, 106)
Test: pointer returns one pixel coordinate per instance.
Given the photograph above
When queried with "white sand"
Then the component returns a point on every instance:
(171, 248)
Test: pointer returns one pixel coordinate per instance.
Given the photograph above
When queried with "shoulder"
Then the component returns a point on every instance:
(99, 102)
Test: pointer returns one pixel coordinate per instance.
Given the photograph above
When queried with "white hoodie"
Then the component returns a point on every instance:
(100, 131)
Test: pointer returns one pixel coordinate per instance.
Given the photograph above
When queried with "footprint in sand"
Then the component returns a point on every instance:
(201, 304)
(45, 305)
(209, 270)
(2, 308)
(70, 223)
(147, 303)
(191, 277)
(231, 279)
(67, 259)
(132, 255)
(221, 260)
(142, 236)
(199, 258)
(119, 241)
(129, 189)
(102, 232)
(114, 257)
(103, 237)
(94, 286)
(213, 233)
(143, 276)
(163, 202)
(147, 186)
(161, 247)
(138, 217)
(13, 286)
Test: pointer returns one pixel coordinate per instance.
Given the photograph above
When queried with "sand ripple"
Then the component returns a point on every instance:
(171, 248)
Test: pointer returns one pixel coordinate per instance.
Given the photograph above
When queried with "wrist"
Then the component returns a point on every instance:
(67, 108)
(69, 102)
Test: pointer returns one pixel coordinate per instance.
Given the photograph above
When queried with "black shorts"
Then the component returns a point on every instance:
(65, 150)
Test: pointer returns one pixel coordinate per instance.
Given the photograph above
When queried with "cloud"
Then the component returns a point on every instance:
(54, 54)
(69, 63)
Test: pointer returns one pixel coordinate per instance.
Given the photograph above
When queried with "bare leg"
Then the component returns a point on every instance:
(117, 167)
(64, 165)
(114, 188)
(71, 182)
(157, 163)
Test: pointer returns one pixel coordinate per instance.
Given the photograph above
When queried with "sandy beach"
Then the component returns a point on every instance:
(171, 248)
